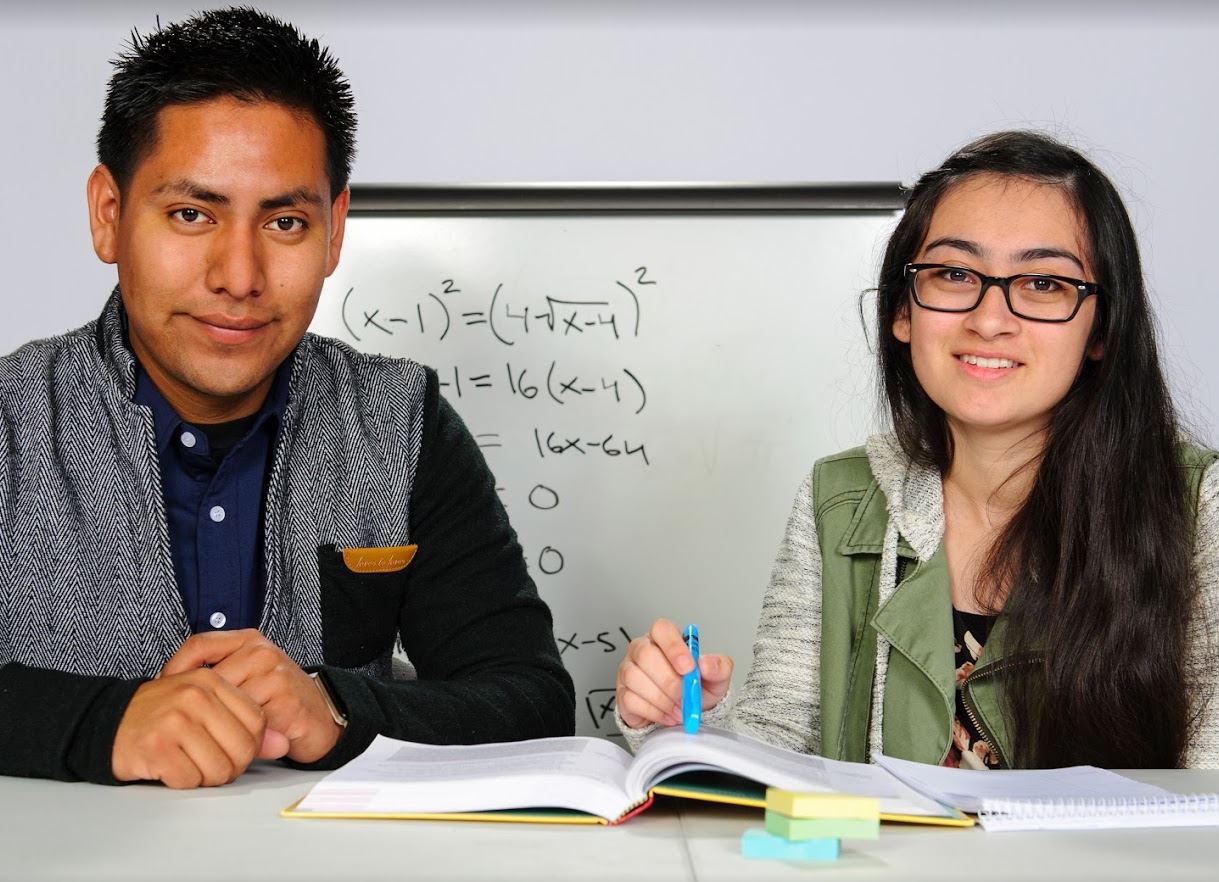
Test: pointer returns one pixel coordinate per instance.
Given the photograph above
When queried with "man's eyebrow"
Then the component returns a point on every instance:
(1044, 253)
(292, 198)
(192, 190)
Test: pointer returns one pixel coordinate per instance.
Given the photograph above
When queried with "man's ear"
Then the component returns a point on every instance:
(901, 323)
(104, 198)
(338, 226)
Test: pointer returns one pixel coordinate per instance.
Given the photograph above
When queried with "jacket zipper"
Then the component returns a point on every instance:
(971, 711)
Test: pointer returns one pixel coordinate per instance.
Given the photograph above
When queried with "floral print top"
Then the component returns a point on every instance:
(968, 750)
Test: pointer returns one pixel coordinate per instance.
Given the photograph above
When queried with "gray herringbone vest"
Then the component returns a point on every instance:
(86, 579)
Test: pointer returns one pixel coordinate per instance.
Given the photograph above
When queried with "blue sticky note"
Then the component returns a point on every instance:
(757, 843)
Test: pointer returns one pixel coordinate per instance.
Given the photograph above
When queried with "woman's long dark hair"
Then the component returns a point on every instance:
(1096, 563)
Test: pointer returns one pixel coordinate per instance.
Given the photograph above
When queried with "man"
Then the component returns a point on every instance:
(207, 516)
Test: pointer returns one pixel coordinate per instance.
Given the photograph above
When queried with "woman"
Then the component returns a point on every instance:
(1025, 573)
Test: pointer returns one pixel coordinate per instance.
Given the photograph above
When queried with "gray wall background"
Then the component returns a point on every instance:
(718, 91)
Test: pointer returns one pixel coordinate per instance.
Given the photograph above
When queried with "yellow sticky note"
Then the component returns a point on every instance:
(822, 805)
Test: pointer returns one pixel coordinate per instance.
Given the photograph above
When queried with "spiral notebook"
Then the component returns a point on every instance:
(1173, 810)
(1076, 798)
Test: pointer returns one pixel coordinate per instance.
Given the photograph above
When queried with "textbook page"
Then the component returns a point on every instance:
(669, 752)
(967, 788)
(399, 777)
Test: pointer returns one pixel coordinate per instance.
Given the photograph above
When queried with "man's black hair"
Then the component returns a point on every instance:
(239, 53)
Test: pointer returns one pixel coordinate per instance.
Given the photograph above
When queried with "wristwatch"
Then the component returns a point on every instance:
(331, 705)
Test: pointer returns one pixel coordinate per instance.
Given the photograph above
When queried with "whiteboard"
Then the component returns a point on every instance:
(648, 388)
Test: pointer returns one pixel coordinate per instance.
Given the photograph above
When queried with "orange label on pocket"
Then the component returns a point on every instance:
(379, 560)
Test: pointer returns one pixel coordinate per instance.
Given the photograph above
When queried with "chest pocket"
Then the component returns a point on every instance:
(362, 592)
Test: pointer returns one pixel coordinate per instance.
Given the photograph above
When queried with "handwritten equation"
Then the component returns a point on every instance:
(599, 703)
(562, 335)
(610, 314)
(573, 445)
(601, 641)
(553, 384)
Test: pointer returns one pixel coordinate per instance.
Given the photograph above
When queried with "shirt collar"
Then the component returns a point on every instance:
(168, 423)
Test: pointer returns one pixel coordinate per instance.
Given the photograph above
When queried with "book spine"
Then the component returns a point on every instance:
(632, 811)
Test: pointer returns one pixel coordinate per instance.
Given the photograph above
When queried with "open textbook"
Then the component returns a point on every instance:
(593, 777)
(589, 780)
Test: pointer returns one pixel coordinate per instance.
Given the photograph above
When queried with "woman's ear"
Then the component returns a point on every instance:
(1096, 351)
(901, 323)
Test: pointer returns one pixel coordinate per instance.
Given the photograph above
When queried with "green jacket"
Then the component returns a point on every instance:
(919, 689)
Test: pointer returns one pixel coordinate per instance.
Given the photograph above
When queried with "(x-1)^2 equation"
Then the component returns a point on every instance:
(614, 313)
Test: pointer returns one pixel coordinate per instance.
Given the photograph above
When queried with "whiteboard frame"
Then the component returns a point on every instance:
(626, 198)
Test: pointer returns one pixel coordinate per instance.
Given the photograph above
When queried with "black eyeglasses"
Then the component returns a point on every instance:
(1037, 297)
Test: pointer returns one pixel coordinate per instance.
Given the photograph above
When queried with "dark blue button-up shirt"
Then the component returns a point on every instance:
(213, 503)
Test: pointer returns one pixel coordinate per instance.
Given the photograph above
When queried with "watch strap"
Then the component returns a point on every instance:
(335, 714)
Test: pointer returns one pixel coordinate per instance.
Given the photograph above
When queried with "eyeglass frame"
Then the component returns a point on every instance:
(1083, 290)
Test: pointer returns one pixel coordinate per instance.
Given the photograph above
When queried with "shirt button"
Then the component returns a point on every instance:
(187, 439)
(216, 514)
(218, 619)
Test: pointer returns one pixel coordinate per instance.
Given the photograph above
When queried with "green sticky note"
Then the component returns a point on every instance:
(821, 828)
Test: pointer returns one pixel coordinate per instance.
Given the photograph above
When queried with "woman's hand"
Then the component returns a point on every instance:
(650, 676)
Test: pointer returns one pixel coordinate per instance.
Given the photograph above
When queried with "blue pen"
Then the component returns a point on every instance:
(691, 685)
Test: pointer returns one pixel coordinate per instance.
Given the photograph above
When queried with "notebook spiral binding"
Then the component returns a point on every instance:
(1184, 810)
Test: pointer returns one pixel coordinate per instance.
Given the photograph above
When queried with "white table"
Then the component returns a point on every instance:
(50, 830)
(909, 852)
